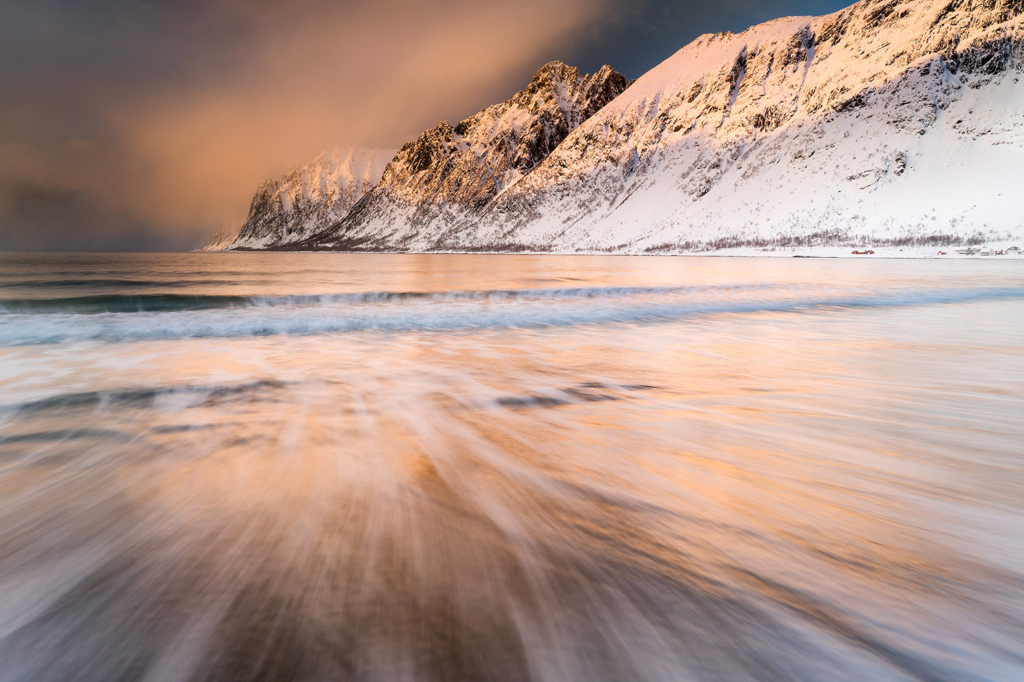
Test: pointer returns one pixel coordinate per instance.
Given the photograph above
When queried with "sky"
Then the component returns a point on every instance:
(131, 125)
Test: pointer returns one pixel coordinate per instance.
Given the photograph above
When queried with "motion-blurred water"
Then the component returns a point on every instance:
(321, 467)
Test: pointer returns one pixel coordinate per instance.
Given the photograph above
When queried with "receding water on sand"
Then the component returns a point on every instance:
(313, 467)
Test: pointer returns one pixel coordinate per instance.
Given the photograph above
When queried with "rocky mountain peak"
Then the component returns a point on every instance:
(511, 136)
(551, 72)
(578, 96)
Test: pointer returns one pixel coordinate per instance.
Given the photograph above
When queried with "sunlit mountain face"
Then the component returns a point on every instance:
(891, 127)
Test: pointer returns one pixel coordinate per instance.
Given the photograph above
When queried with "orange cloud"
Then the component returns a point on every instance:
(185, 152)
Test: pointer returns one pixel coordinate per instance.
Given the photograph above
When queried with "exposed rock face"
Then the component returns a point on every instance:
(451, 173)
(308, 199)
(890, 120)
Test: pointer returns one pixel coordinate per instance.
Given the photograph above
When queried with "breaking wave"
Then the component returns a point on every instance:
(166, 316)
(141, 303)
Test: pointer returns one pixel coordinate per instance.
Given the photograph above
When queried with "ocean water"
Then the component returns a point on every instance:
(398, 467)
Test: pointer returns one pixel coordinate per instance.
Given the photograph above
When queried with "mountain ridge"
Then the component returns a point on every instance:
(887, 122)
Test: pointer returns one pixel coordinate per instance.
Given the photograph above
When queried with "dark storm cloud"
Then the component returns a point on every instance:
(641, 34)
(129, 124)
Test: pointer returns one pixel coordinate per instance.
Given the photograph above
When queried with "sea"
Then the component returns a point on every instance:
(285, 466)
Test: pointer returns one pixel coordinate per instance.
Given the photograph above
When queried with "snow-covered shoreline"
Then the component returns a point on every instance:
(879, 252)
(936, 253)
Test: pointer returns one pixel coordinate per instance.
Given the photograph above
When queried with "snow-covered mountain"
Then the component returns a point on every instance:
(892, 121)
(309, 199)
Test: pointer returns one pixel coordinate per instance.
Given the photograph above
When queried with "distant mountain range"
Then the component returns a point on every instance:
(890, 122)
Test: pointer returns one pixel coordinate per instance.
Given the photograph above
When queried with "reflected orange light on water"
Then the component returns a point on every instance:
(741, 491)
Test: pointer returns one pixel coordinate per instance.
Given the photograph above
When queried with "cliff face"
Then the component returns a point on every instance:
(310, 198)
(892, 121)
(452, 173)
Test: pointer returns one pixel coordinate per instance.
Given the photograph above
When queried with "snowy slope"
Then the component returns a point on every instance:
(308, 199)
(890, 122)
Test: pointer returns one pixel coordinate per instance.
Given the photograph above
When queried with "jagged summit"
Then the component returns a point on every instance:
(581, 95)
(472, 162)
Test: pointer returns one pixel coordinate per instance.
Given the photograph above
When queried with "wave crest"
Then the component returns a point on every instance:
(235, 316)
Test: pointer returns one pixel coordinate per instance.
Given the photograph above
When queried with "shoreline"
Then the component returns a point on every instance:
(881, 252)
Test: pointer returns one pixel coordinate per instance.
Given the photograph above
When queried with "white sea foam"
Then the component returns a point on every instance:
(221, 316)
